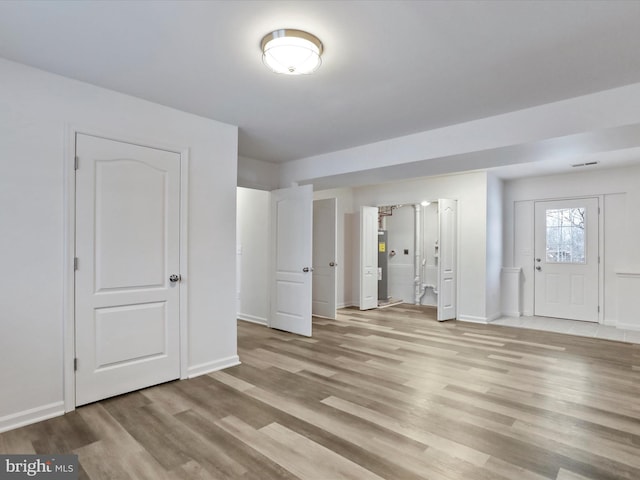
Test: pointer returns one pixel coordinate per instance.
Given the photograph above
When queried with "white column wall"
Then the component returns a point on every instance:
(494, 246)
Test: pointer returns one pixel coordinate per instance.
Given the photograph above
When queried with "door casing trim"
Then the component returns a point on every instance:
(69, 212)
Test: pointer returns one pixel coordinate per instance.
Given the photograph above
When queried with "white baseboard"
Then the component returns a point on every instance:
(628, 326)
(472, 319)
(33, 415)
(214, 366)
(252, 318)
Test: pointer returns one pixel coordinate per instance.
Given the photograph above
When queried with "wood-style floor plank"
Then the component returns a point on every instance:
(383, 394)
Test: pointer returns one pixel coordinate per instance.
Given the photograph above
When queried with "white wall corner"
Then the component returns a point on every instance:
(208, 367)
(510, 287)
(33, 415)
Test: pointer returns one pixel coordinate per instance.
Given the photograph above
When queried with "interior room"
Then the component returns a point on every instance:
(196, 286)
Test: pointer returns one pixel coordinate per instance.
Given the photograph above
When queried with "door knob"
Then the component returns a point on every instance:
(538, 268)
(332, 264)
(307, 269)
(174, 278)
(538, 259)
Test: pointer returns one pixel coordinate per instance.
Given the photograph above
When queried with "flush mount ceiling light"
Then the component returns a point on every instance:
(291, 52)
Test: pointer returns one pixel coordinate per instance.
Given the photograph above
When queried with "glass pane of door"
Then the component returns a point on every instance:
(566, 242)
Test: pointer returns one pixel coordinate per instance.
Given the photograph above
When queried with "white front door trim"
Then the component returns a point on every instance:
(528, 268)
(69, 211)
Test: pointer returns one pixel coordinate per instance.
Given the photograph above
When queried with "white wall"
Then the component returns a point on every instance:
(257, 174)
(344, 233)
(35, 109)
(253, 251)
(620, 191)
(470, 191)
(494, 246)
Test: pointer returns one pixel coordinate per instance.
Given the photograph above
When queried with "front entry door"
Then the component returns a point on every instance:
(291, 214)
(567, 259)
(127, 247)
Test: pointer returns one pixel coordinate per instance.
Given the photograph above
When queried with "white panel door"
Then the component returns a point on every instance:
(368, 258)
(566, 259)
(127, 246)
(447, 262)
(291, 214)
(324, 258)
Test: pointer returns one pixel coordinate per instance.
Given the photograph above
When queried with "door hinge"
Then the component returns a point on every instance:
(598, 210)
(75, 163)
(75, 364)
(598, 259)
(75, 263)
(598, 308)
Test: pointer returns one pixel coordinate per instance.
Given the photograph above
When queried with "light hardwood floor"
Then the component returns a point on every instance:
(383, 394)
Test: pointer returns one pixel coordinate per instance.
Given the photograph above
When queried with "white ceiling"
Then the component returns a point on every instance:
(390, 68)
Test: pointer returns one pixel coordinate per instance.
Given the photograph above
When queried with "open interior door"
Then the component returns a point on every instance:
(447, 262)
(291, 214)
(324, 258)
(368, 258)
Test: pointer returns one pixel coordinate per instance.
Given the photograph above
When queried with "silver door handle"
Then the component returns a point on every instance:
(332, 264)
(538, 268)
(307, 269)
(175, 278)
(538, 259)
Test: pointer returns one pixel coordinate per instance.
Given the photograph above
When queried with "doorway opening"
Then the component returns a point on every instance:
(408, 249)
(408, 255)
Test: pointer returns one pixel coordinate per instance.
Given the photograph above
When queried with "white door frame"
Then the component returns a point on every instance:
(601, 250)
(69, 212)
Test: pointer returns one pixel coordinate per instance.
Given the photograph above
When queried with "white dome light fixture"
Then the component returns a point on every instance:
(291, 52)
